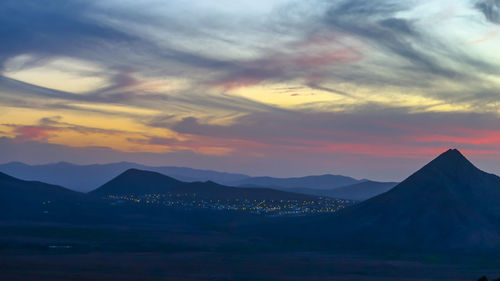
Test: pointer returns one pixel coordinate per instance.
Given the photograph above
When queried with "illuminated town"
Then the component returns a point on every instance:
(258, 207)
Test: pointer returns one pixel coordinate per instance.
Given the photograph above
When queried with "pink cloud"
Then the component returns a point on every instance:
(320, 39)
(488, 36)
(30, 133)
(328, 58)
(304, 59)
(467, 136)
(237, 82)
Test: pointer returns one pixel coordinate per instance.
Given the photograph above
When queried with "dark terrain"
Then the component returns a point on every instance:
(442, 223)
(85, 178)
(133, 182)
(449, 204)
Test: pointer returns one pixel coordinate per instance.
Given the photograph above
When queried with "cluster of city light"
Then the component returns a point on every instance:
(264, 207)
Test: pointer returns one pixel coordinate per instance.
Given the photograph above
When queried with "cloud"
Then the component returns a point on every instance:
(199, 145)
(322, 48)
(30, 133)
(35, 152)
(368, 127)
(488, 36)
(490, 9)
(50, 127)
(54, 28)
(57, 123)
(377, 22)
(364, 79)
(22, 94)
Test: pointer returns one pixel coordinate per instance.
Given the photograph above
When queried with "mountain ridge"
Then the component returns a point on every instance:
(85, 178)
(140, 182)
(447, 204)
(33, 199)
(325, 181)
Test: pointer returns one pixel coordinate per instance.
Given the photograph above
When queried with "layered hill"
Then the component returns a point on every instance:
(361, 191)
(447, 204)
(85, 178)
(29, 199)
(313, 182)
(138, 182)
(358, 191)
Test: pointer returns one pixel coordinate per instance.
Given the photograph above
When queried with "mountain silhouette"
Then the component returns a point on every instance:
(314, 182)
(31, 199)
(359, 191)
(85, 178)
(139, 182)
(447, 204)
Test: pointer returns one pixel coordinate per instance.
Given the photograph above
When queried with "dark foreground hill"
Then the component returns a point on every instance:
(31, 199)
(138, 182)
(431, 210)
(449, 204)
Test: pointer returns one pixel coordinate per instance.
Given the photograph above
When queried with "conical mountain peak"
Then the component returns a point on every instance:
(452, 161)
(134, 181)
(449, 171)
(135, 172)
(449, 203)
(452, 154)
(143, 174)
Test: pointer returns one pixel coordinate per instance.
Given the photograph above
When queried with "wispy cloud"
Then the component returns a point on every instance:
(490, 9)
(272, 81)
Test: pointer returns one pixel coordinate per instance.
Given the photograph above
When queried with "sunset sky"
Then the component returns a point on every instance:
(370, 89)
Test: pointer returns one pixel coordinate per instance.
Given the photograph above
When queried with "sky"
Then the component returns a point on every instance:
(370, 89)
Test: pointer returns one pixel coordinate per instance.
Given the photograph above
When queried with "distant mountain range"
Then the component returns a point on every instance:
(448, 204)
(314, 182)
(138, 182)
(32, 200)
(20, 199)
(84, 178)
(358, 191)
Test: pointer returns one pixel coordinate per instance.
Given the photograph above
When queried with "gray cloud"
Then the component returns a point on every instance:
(118, 93)
(125, 41)
(376, 21)
(50, 126)
(106, 36)
(52, 28)
(41, 153)
(490, 9)
(370, 124)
